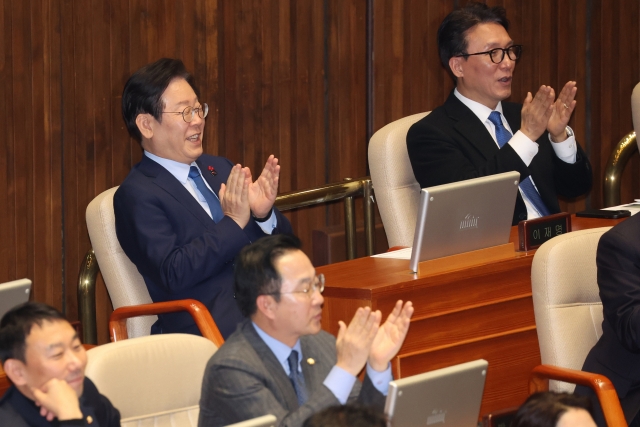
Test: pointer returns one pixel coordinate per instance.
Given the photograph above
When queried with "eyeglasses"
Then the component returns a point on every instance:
(189, 113)
(497, 54)
(316, 284)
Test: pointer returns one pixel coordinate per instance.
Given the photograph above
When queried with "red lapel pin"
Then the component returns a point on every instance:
(212, 171)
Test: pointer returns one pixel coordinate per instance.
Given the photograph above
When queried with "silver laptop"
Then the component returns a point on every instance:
(464, 216)
(13, 293)
(448, 397)
(263, 421)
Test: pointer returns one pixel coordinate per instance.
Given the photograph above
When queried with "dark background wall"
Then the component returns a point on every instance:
(289, 77)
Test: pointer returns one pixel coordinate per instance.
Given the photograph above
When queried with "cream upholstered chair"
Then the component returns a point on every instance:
(635, 111)
(568, 314)
(124, 283)
(153, 380)
(396, 190)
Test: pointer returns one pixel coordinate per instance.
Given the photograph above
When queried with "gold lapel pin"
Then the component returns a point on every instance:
(89, 419)
(310, 361)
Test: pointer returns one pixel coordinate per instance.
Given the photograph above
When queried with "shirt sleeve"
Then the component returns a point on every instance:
(525, 148)
(340, 383)
(566, 150)
(380, 380)
(268, 225)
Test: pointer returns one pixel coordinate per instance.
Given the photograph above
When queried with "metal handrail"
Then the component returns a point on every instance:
(615, 165)
(346, 190)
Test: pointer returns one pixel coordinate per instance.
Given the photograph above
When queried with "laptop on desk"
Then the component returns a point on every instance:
(13, 293)
(464, 216)
(448, 397)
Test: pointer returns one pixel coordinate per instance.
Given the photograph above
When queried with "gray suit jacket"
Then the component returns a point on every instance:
(244, 380)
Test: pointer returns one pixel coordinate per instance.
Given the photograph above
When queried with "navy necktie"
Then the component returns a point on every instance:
(212, 200)
(297, 380)
(528, 189)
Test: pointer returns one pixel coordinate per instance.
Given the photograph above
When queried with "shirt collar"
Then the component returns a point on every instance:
(179, 170)
(279, 349)
(481, 111)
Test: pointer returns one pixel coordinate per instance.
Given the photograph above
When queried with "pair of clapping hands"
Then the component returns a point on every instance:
(241, 196)
(544, 112)
(365, 340)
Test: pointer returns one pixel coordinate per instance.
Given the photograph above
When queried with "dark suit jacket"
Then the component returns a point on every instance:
(16, 410)
(617, 354)
(451, 144)
(244, 380)
(178, 249)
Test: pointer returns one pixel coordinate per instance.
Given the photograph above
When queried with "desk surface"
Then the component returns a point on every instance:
(460, 315)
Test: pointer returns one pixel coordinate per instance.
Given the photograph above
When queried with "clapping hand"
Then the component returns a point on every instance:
(561, 112)
(390, 336)
(263, 191)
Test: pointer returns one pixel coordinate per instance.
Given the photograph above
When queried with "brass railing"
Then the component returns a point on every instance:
(347, 190)
(615, 165)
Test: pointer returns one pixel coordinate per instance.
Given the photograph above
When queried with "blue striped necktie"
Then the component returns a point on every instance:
(528, 189)
(297, 380)
(212, 200)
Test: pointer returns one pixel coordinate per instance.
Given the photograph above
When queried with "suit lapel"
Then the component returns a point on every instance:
(163, 179)
(214, 181)
(312, 359)
(472, 129)
(272, 365)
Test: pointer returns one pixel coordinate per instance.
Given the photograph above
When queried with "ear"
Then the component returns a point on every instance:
(266, 305)
(455, 63)
(144, 123)
(16, 371)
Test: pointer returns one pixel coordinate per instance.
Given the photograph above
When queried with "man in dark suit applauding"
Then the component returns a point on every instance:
(279, 361)
(182, 216)
(476, 134)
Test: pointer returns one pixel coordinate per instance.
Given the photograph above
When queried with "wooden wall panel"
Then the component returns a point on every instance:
(281, 76)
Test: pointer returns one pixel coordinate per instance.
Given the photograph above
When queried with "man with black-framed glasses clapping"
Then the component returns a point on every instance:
(476, 133)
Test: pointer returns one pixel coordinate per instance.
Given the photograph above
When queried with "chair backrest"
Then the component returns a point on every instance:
(153, 380)
(566, 299)
(124, 283)
(635, 110)
(396, 190)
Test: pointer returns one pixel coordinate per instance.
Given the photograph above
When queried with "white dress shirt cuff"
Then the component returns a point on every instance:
(525, 148)
(380, 380)
(566, 150)
(340, 383)
(269, 224)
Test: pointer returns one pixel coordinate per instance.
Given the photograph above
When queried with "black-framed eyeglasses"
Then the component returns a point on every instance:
(316, 284)
(497, 54)
(189, 112)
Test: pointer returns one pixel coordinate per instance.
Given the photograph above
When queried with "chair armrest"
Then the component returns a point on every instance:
(202, 317)
(541, 374)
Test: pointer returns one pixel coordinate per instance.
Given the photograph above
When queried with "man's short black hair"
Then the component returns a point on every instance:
(16, 325)
(452, 34)
(143, 91)
(545, 409)
(347, 416)
(255, 272)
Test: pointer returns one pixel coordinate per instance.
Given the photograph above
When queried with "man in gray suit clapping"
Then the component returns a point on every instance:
(278, 361)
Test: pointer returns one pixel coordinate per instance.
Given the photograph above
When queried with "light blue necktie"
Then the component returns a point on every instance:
(297, 380)
(528, 189)
(212, 200)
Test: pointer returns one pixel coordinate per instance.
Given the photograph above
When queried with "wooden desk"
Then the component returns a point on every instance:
(461, 315)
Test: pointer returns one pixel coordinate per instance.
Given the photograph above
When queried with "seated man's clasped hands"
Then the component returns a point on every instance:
(279, 361)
